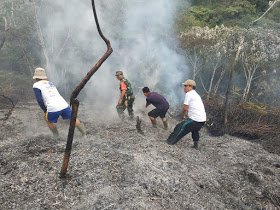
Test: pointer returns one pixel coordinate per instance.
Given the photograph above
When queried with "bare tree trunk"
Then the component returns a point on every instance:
(9, 113)
(249, 71)
(216, 87)
(41, 39)
(196, 69)
(202, 83)
(75, 93)
(5, 33)
(270, 7)
(27, 59)
(229, 89)
(211, 84)
(12, 15)
(215, 67)
(196, 66)
(246, 90)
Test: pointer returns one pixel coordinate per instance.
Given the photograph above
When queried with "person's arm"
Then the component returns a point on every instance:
(39, 99)
(148, 102)
(185, 111)
(186, 106)
(123, 91)
(121, 97)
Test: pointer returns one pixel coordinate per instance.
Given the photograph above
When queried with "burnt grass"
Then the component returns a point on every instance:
(115, 167)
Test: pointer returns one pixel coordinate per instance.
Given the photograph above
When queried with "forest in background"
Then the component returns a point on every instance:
(233, 50)
(231, 47)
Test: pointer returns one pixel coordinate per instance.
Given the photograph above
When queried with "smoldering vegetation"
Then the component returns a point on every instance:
(249, 120)
(115, 167)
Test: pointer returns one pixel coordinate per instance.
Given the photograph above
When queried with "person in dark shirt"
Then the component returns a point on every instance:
(161, 105)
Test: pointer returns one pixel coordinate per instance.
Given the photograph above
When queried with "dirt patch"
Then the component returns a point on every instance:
(115, 167)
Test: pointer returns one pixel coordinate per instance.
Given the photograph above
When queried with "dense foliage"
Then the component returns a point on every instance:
(229, 13)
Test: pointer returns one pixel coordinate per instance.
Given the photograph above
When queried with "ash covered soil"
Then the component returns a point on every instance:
(115, 167)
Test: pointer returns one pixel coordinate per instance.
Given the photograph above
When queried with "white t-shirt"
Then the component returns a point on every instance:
(196, 109)
(51, 97)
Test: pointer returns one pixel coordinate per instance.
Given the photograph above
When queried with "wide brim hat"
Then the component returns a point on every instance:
(39, 73)
(189, 82)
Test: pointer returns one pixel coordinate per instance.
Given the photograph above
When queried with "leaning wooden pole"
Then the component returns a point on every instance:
(75, 103)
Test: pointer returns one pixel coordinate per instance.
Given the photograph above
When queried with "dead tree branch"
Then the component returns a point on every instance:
(74, 102)
(270, 7)
(9, 113)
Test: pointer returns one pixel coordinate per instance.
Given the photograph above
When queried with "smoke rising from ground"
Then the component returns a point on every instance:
(141, 34)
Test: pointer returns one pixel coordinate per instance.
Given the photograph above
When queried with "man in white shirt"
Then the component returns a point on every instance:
(51, 102)
(193, 114)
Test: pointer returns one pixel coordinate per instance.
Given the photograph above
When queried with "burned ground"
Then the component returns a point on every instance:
(115, 167)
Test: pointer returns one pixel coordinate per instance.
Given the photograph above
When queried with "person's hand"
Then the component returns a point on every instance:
(46, 116)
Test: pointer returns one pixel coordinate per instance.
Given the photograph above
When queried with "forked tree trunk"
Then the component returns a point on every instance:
(216, 87)
(229, 89)
(249, 71)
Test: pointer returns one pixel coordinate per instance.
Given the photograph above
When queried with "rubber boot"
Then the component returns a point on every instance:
(81, 128)
(195, 144)
(165, 124)
(154, 122)
(120, 112)
(131, 116)
(121, 116)
(55, 132)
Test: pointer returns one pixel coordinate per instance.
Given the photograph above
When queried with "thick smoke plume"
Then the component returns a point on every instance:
(142, 34)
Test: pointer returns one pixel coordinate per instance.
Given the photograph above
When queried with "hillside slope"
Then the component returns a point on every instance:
(115, 167)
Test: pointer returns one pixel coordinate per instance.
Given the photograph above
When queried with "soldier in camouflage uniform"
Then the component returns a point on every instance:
(126, 98)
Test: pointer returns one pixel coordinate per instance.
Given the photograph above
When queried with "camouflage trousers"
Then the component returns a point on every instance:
(126, 104)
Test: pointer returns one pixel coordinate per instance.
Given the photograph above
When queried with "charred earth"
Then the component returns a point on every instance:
(115, 167)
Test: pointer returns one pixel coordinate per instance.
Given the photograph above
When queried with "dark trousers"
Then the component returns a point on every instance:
(183, 128)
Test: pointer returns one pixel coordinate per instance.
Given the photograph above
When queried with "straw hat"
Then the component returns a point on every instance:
(40, 74)
(189, 82)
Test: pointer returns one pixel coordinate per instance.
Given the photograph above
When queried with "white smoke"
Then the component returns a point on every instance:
(142, 35)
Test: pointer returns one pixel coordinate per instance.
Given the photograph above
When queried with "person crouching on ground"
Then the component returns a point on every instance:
(193, 114)
(126, 98)
(51, 102)
(161, 105)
